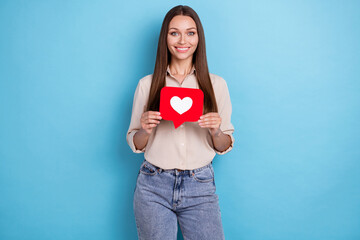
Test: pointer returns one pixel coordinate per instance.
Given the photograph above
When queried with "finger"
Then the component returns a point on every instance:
(210, 114)
(204, 119)
(209, 125)
(212, 121)
(207, 117)
(155, 112)
(148, 121)
(206, 126)
(154, 115)
(204, 116)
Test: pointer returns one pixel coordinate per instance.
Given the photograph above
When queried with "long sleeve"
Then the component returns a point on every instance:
(139, 104)
(225, 110)
(188, 146)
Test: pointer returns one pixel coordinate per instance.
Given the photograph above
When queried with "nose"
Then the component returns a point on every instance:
(182, 39)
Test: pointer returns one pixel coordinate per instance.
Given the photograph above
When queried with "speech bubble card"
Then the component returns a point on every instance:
(181, 104)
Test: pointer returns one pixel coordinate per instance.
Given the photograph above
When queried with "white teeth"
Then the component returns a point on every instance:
(182, 48)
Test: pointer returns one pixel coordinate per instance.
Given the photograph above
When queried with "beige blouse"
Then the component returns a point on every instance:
(189, 146)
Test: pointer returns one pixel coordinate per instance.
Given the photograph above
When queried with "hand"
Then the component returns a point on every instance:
(212, 121)
(149, 120)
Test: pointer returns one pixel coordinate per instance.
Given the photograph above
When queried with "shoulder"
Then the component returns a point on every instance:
(217, 82)
(143, 86)
(221, 91)
(145, 82)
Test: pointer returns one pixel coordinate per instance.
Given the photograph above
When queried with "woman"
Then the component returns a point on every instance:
(176, 179)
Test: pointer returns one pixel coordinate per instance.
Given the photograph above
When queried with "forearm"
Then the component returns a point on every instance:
(221, 141)
(140, 139)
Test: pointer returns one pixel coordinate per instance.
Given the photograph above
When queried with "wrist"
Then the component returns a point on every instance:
(216, 133)
(143, 132)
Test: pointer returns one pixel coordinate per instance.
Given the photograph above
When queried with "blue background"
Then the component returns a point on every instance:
(68, 72)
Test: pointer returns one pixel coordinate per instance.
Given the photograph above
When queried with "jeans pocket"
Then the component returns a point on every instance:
(147, 169)
(205, 175)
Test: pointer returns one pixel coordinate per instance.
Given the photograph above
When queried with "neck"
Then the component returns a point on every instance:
(180, 67)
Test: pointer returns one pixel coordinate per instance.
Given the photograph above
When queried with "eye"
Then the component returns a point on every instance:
(191, 33)
(173, 33)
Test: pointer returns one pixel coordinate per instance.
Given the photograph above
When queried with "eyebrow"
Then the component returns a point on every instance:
(186, 29)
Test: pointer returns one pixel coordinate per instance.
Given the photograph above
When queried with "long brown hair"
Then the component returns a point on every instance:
(199, 60)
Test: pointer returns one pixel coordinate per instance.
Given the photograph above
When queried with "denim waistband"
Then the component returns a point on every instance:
(175, 170)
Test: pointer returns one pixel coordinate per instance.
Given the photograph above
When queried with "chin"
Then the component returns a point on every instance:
(182, 57)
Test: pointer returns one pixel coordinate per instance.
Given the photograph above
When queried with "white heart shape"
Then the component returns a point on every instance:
(179, 105)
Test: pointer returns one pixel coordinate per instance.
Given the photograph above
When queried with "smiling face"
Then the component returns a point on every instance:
(182, 38)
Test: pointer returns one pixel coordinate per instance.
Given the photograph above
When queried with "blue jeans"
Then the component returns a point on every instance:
(164, 197)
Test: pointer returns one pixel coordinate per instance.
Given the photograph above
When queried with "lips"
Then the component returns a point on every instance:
(182, 49)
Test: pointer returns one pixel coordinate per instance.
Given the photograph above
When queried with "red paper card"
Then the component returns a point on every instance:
(181, 104)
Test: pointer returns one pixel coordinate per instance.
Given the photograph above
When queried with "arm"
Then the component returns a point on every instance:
(141, 138)
(139, 103)
(219, 123)
(148, 121)
(221, 140)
